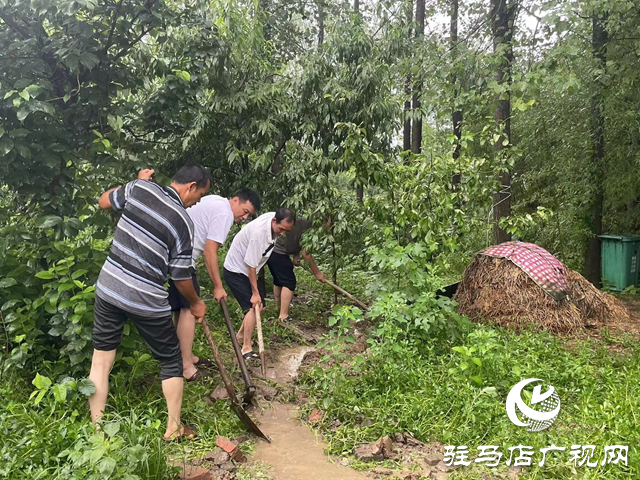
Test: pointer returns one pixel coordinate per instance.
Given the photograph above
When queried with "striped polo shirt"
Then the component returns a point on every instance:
(153, 240)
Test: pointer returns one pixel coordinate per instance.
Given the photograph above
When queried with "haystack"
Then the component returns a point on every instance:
(496, 290)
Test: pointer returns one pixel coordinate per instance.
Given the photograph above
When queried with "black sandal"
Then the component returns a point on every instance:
(196, 376)
(204, 363)
(251, 355)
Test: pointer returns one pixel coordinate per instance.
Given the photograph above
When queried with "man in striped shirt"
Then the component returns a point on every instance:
(153, 240)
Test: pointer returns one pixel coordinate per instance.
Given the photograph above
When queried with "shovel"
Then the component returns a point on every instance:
(347, 294)
(235, 405)
(263, 363)
(250, 389)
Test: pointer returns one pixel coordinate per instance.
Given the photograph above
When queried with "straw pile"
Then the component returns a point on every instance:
(496, 290)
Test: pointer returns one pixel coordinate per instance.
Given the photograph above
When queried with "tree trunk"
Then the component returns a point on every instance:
(416, 130)
(406, 133)
(356, 6)
(320, 24)
(456, 115)
(502, 24)
(599, 41)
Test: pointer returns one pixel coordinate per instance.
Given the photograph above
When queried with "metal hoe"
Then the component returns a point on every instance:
(235, 405)
(250, 389)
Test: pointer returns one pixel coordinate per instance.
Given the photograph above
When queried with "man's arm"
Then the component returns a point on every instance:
(104, 202)
(312, 264)
(211, 262)
(186, 289)
(255, 293)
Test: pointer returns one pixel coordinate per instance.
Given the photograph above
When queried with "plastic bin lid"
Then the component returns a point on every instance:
(621, 238)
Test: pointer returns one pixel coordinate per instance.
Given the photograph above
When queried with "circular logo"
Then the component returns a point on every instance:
(537, 420)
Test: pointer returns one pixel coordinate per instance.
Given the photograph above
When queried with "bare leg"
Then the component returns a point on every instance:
(276, 294)
(248, 325)
(100, 367)
(186, 331)
(172, 389)
(285, 301)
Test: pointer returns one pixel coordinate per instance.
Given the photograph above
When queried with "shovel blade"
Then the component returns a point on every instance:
(246, 420)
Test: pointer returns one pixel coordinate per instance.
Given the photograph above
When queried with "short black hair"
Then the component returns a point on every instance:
(247, 195)
(193, 173)
(285, 214)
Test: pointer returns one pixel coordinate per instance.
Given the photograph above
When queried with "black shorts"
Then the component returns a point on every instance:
(241, 288)
(281, 268)
(158, 333)
(176, 300)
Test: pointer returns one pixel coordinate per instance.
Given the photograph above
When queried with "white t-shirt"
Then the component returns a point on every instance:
(252, 247)
(212, 219)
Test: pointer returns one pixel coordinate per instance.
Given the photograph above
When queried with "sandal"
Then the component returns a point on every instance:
(186, 434)
(196, 376)
(204, 363)
(251, 355)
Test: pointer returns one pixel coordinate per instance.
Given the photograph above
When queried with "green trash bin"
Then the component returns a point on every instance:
(619, 261)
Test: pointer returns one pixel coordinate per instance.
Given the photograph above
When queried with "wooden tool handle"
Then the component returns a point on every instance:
(347, 294)
(263, 364)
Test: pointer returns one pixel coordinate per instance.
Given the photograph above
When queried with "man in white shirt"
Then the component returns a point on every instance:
(212, 219)
(249, 252)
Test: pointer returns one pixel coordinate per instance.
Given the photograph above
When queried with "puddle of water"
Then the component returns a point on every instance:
(288, 363)
(294, 452)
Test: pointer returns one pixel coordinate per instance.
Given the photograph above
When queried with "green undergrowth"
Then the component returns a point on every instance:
(450, 386)
(47, 434)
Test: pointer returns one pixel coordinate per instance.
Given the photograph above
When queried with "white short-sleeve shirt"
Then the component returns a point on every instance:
(251, 247)
(212, 219)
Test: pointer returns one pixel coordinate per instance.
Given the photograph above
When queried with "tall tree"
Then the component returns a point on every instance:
(599, 40)
(360, 187)
(456, 116)
(416, 130)
(320, 23)
(503, 13)
(406, 133)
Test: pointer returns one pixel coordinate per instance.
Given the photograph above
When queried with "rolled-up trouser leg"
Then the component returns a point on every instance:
(162, 339)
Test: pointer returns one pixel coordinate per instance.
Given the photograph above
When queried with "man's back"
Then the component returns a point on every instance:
(212, 219)
(153, 239)
(250, 244)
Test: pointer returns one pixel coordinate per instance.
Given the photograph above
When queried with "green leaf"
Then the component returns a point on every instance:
(6, 145)
(89, 60)
(45, 275)
(10, 303)
(7, 282)
(182, 75)
(78, 273)
(86, 387)
(107, 466)
(57, 331)
(111, 428)
(41, 382)
(23, 113)
(25, 94)
(59, 392)
(49, 221)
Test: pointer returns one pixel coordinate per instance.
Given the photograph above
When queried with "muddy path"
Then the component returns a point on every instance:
(295, 452)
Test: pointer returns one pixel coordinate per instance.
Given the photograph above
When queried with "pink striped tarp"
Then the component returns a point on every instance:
(543, 268)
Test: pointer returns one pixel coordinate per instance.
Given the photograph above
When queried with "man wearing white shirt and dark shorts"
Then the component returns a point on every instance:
(249, 252)
(212, 219)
